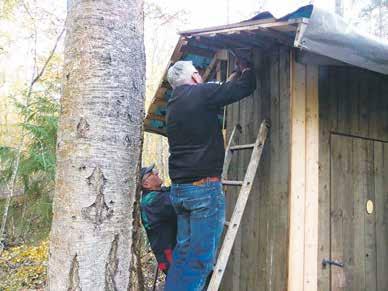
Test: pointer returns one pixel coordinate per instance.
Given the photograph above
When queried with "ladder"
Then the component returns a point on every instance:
(243, 196)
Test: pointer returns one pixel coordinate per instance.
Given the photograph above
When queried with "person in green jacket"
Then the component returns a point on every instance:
(158, 216)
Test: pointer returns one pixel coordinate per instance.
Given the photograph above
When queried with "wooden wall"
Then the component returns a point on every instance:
(353, 103)
(259, 257)
(285, 232)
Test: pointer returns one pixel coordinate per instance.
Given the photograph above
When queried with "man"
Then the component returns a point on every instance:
(195, 165)
(158, 217)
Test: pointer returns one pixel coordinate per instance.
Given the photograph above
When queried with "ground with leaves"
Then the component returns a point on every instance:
(24, 267)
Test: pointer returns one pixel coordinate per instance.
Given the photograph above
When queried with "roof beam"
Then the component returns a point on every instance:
(207, 42)
(157, 103)
(160, 92)
(221, 55)
(156, 117)
(264, 34)
(151, 129)
(198, 51)
(228, 43)
(245, 26)
(240, 40)
(221, 27)
(210, 68)
(309, 58)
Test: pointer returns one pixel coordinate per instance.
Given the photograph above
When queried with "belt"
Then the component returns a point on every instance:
(206, 180)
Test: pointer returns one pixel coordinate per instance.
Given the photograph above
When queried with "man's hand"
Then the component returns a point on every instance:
(243, 64)
(234, 76)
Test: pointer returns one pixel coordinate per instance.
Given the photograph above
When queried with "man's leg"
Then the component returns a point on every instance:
(205, 217)
(220, 214)
(173, 280)
(193, 258)
(220, 226)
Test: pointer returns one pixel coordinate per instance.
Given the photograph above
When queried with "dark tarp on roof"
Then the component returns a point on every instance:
(302, 12)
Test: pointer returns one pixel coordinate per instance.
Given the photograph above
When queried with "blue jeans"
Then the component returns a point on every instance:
(201, 217)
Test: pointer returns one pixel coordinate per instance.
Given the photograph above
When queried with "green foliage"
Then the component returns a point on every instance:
(38, 157)
(41, 128)
(29, 218)
(30, 214)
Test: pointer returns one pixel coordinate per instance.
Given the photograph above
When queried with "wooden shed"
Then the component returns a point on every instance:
(317, 217)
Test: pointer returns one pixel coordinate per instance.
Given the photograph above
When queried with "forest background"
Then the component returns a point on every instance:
(31, 60)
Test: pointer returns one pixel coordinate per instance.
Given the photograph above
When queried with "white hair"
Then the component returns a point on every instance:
(180, 73)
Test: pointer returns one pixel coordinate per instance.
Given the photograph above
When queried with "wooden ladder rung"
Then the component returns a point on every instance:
(242, 147)
(232, 183)
(227, 223)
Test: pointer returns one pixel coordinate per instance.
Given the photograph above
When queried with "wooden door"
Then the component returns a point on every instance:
(359, 214)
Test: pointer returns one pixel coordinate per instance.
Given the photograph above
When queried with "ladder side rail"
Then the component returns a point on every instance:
(239, 209)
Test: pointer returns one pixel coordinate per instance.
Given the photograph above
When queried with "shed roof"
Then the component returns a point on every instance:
(309, 28)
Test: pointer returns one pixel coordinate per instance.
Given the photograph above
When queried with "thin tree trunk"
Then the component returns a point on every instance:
(381, 22)
(99, 144)
(339, 7)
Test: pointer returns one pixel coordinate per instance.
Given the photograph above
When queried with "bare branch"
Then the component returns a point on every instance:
(48, 59)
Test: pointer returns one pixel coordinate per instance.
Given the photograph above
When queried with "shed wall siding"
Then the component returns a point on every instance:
(259, 257)
(352, 102)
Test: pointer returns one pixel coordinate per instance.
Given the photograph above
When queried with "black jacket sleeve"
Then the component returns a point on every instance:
(219, 95)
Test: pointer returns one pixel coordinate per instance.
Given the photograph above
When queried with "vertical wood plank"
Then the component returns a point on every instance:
(381, 212)
(242, 242)
(355, 262)
(284, 170)
(369, 219)
(354, 100)
(250, 231)
(355, 227)
(238, 174)
(333, 99)
(274, 177)
(311, 195)
(364, 103)
(341, 167)
(254, 217)
(298, 173)
(265, 198)
(324, 180)
(343, 99)
(233, 197)
(383, 121)
(374, 102)
(230, 193)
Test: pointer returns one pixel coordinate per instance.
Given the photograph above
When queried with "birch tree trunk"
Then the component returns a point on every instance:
(99, 144)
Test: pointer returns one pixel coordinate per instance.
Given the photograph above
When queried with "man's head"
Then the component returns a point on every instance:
(150, 179)
(183, 72)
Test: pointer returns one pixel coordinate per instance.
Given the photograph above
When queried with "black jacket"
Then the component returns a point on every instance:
(194, 135)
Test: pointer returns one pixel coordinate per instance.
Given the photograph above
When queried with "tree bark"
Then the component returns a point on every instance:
(99, 145)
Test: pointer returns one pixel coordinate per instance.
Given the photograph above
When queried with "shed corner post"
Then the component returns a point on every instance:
(304, 183)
